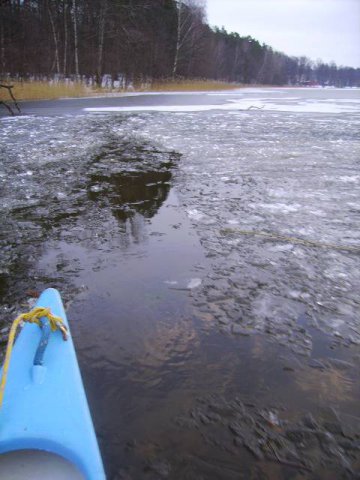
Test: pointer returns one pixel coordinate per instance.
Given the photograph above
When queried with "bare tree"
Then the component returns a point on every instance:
(8, 107)
(65, 37)
(2, 43)
(76, 40)
(190, 14)
(55, 38)
(102, 22)
(178, 37)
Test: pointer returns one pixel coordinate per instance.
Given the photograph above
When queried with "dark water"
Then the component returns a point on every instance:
(203, 357)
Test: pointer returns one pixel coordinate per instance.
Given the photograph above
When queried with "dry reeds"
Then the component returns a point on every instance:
(189, 85)
(37, 90)
(48, 90)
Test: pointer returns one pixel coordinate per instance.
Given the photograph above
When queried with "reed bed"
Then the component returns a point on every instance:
(47, 90)
(190, 85)
(36, 90)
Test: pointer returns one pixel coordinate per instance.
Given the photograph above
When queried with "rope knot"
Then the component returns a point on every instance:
(34, 316)
(55, 322)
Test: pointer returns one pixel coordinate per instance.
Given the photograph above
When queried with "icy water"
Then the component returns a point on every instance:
(207, 247)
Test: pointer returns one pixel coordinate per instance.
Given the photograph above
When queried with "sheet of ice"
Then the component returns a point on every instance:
(141, 94)
(194, 283)
(153, 108)
(291, 173)
(282, 207)
(269, 169)
(194, 214)
(233, 104)
(244, 91)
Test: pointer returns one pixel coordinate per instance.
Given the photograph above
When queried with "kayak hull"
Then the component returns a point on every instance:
(45, 406)
(37, 465)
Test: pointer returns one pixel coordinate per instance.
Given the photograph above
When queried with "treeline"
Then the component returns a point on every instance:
(128, 41)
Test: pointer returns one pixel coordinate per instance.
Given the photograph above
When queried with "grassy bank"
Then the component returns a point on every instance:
(36, 90)
(190, 85)
(43, 90)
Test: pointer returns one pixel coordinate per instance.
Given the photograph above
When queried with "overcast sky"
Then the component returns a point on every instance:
(326, 29)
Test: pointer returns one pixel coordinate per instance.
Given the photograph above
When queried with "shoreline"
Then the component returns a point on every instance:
(43, 91)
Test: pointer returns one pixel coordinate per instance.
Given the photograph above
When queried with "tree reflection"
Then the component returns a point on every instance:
(137, 191)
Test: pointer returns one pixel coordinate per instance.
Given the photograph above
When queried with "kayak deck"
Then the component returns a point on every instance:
(45, 406)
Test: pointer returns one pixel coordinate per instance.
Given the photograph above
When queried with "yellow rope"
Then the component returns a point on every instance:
(308, 243)
(34, 316)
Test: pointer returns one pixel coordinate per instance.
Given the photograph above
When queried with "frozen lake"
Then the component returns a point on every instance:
(208, 247)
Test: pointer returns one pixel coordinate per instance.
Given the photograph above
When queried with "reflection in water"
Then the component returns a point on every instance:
(133, 182)
(105, 173)
(131, 192)
(329, 385)
(132, 196)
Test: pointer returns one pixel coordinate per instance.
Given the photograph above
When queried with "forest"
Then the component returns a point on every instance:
(126, 42)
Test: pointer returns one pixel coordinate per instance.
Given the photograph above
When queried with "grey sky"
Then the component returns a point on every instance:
(326, 29)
